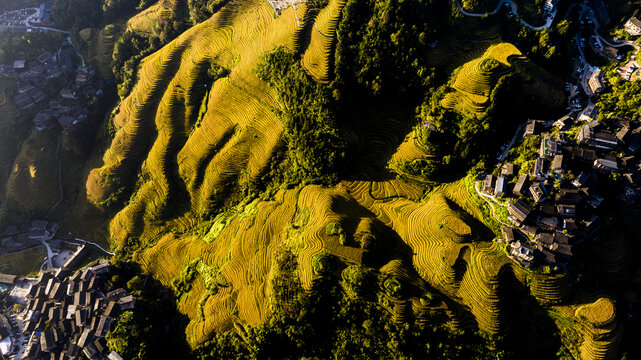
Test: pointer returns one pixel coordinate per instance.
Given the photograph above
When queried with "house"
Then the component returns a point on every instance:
(595, 82)
(549, 222)
(589, 113)
(557, 164)
(8, 279)
(601, 140)
(634, 142)
(44, 120)
(509, 170)
(68, 94)
(522, 251)
(114, 356)
(501, 186)
(563, 122)
(508, 234)
(532, 127)
(520, 186)
(549, 148)
(562, 249)
(518, 211)
(488, 184)
(127, 302)
(19, 65)
(539, 169)
(547, 255)
(544, 238)
(633, 26)
(566, 210)
(623, 134)
(629, 71)
(606, 165)
(24, 101)
(538, 192)
(569, 196)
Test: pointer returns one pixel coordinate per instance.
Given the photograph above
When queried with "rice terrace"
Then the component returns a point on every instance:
(320, 179)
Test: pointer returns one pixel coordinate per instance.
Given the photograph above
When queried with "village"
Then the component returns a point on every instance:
(554, 204)
(64, 107)
(66, 311)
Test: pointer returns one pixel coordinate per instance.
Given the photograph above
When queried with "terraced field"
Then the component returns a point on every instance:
(477, 78)
(144, 22)
(185, 164)
(100, 47)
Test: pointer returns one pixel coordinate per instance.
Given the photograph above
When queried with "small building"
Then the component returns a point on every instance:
(114, 356)
(539, 170)
(569, 196)
(19, 65)
(127, 303)
(563, 122)
(520, 186)
(633, 26)
(549, 148)
(508, 234)
(8, 279)
(538, 192)
(501, 186)
(509, 170)
(518, 211)
(606, 165)
(558, 164)
(522, 251)
(595, 83)
(533, 127)
(566, 210)
(547, 255)
(623, 134)
(488, 184)
(589, 113)
(549, 222)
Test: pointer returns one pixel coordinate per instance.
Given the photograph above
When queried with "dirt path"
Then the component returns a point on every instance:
(62, 196)
(485, 198)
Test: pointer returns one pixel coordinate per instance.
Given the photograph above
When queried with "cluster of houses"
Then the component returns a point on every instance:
(32, 78)
(19, 237)
(556, 202)
(62, 111)
(68, 315)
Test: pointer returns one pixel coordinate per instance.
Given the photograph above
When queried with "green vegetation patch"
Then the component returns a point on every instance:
(315, 149)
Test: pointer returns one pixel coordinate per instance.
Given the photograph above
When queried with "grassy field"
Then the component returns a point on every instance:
(23, 262)
(32, 188)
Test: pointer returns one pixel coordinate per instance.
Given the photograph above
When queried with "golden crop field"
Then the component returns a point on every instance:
(185, 165)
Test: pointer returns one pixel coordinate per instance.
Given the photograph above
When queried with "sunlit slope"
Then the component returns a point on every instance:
(477, 78)
(230, 145)
(184, 146)
(318, 58)
(144, 22)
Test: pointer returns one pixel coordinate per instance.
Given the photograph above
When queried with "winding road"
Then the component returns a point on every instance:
(485, 198)
(547, 24)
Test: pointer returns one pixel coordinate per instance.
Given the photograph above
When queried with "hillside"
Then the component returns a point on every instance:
(194, 146)
(302, 183)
